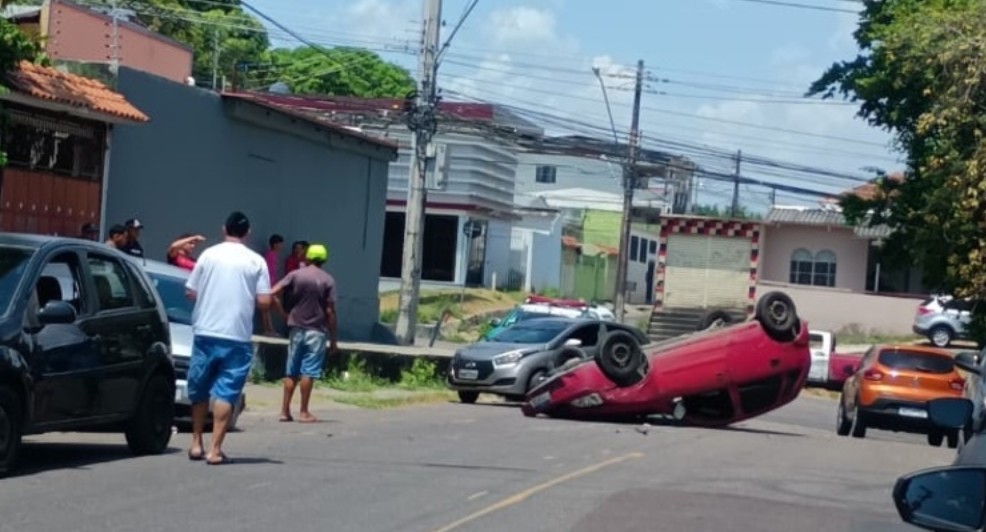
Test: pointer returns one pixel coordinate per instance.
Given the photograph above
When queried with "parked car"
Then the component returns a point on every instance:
(947, 498)
(712, 378)
(891, 390)
(543, 307)
(943, 319)
(521, 356)
(822, 344)
(169, 281)
(841, 367)
(84, 345)
(974, 390)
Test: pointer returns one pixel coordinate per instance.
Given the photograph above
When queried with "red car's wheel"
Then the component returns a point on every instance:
(567, 356)
(778, 316)
(621, 359)
(717, 319)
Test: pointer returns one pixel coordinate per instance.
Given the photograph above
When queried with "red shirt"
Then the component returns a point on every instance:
(271, 257)
(292, 264)
(182, 261)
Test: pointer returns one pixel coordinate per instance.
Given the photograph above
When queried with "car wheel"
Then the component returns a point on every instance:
(940, 336)
(468, 397)
(935, 439)
(536, 379)
(567, 355)
(11, 428)
(858, 424)
(778, 316)
(716, 319)
(150, 430)
(621, 359)
(842, 425)
(953, 439)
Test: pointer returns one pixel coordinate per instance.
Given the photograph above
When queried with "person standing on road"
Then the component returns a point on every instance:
(133, 246)
(180, 251)
(228, 283)
(117, 237)
(297, 257)
(275, 243)
(309, 296)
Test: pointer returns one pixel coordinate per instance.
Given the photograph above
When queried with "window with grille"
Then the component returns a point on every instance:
(813, 270)
(546, 174)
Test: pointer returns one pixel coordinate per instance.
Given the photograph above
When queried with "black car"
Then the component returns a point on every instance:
(84, 345)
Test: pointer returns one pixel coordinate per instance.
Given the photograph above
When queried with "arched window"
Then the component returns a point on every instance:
(824, 268)
(802, 266)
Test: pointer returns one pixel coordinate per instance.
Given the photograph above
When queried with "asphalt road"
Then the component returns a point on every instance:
(478, 468)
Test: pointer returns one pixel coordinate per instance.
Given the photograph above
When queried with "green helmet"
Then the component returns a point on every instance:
(317, 253)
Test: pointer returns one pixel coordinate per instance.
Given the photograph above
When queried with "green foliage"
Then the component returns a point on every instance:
(340, 72)
(359, 378)
(550, 291)
(14, 48)
(713, 211)
(355, 378)
(388, 315)
(423, 374)
(921, 74)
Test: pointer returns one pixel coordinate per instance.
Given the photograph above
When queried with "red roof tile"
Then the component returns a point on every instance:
(55, 86)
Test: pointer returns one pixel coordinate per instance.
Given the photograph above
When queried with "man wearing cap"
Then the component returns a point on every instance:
(133, 246)
(229, 281)
(308, 296)
(90, 232)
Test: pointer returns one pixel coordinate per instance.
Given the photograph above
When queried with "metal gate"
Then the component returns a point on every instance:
(707, 272)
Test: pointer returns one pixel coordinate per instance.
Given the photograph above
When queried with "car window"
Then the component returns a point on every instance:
(588, 335)
(61, 279)
(816, 341)
(13, 262)
(916, 361)
(143, 290)
(531, 332)
(113, 287)
(172, 292)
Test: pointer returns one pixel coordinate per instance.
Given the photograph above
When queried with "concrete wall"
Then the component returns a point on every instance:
(535, 251)
(781, 241)
(194, 162)
(76, 33)
(570, 172)
(834, 310)
(497, 253)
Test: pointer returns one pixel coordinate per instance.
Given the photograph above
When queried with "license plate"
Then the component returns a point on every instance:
(541, 399)
(469, 374)
(181, 392)
(913, 412)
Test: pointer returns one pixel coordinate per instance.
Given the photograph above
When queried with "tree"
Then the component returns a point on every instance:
(921, 74)
(713, 211)
(15, 47)
(339, 72)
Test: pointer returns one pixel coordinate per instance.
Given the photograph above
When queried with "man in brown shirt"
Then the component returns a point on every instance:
(307, 297)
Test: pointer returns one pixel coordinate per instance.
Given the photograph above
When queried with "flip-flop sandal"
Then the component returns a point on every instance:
(287, 419)
(308, 420)
(223, 460)
(196, 457)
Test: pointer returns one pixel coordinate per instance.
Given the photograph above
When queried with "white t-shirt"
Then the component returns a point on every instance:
(227, 279)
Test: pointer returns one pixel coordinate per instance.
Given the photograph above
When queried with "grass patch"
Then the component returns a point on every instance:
(355, 378)
(423, 375)
(855, 335)
(461, 303)
(380, 403)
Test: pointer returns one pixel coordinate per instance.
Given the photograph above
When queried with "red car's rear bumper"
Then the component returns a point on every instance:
(720, 377)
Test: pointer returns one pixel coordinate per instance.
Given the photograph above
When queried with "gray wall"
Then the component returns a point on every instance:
(200, 158)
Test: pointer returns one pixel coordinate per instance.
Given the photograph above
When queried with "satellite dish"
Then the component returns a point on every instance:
(279, 88)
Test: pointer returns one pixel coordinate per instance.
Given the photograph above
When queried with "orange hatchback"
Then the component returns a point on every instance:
(891, 389)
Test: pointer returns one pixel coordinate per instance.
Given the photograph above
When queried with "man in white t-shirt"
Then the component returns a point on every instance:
(229, 282)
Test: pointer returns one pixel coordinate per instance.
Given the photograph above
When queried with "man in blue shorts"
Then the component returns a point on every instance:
(228, 283)
(308, 295)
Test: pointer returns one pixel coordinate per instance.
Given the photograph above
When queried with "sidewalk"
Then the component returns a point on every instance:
(266, 398)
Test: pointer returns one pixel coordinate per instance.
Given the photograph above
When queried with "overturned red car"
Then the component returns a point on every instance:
(710, 378)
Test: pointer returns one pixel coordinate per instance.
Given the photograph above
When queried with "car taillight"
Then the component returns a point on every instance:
(923, 311)
(873, 375)
(957, 383)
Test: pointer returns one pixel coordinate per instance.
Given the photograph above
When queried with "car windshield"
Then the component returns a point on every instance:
(915, 361)
(816, 341)
(13, 261)
(535, 332)
(172, 292)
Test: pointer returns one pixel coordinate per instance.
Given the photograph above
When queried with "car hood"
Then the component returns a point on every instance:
(488, 350)
(181, 340)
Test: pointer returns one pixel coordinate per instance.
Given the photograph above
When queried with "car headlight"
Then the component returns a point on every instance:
(588, 401)
(507, 359)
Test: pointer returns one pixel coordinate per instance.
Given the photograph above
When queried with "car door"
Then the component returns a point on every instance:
(64, 361)
(850, 390)
(122, 326)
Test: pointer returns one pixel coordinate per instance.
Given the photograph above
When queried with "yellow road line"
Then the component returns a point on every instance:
(520, 497)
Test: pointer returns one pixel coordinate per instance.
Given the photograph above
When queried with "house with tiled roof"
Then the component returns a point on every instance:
(57, 141)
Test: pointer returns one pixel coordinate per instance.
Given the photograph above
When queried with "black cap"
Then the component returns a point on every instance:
(237, 225)
(90, 229)
(117, 229)
(134, 223)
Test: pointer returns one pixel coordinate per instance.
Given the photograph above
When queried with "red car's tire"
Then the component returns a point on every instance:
(778, 316)
(716, 319)
(621, 359)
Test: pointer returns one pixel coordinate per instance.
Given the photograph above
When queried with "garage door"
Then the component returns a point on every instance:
(707, 271)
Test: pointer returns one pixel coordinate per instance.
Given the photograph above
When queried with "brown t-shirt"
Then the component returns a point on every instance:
(307, 291)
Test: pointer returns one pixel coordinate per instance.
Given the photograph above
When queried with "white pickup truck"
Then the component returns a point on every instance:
(822, 346)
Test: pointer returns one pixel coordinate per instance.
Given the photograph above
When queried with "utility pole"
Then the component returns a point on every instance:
(115, 38)
(215, 58)
(423, 125)
(773, 196)
(629, 183)
(736, 184)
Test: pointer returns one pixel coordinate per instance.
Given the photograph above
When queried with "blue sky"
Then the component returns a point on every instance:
(727, 64)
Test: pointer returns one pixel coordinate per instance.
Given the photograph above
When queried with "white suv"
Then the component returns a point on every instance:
(943, 319)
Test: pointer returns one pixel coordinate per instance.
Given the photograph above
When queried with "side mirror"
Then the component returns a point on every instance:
(969, 361)
(495, 322)
(56, 312)
(573, 342)
(944, 498)
(950, 412)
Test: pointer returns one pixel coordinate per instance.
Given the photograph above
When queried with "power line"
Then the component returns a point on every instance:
(802, 6)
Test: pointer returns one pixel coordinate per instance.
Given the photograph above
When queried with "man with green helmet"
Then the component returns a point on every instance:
(306, 296)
